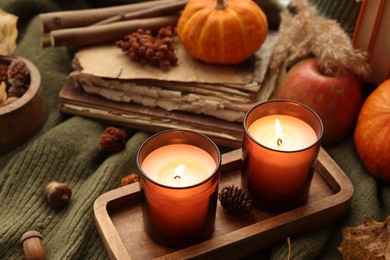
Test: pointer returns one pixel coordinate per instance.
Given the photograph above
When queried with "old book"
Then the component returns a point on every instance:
(75, 101)
(211, 99)
(222, 91)
(372, 35)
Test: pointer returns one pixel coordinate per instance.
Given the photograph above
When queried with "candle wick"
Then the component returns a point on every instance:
(176, 177)
(279, 142)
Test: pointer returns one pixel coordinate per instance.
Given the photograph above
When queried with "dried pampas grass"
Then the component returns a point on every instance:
(303, 33)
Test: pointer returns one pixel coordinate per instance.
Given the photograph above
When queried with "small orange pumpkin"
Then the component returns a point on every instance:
(222, 31)
(372, 132)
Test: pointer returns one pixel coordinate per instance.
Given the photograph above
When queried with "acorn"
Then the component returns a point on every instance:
(33, 248)
(57, 194)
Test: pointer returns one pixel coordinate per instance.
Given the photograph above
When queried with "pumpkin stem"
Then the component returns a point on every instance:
(220, 5)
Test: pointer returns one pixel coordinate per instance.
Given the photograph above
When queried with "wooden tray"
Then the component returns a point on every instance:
(119, 222)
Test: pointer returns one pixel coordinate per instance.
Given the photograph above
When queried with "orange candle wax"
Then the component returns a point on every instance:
(180, 188)
(280, 147)
(177, 212)
(282, 174)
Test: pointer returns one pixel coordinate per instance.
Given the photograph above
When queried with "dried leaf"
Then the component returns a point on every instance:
(370, 240)
(8, 32)
(3, 92)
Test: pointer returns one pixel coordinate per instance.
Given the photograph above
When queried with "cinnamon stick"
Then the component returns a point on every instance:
(78, 18)
(108, 32)
(158, 10)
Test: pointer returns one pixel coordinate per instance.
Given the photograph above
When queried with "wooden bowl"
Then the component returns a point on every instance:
(22, 119)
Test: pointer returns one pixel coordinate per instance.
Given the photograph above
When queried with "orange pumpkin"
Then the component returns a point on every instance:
(372, 132)
(222, 31)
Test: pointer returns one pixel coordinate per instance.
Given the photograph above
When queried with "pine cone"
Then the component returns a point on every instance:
(113, 140)
(234, 199)
(18, 74)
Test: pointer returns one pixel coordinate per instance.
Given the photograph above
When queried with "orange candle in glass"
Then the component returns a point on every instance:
(179, 186)
(280, 148)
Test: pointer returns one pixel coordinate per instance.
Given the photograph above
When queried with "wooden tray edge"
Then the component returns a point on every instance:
(114, 250)
(231, 243)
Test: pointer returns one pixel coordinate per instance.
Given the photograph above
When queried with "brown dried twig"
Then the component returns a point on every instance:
(305, 34)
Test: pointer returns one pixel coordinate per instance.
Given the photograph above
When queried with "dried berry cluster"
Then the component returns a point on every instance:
(129, 179)
(113, 139)
(16, 76)
(142, 46)
(234, 199)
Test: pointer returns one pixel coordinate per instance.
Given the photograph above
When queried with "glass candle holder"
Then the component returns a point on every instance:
(280, 147)
(179, 172)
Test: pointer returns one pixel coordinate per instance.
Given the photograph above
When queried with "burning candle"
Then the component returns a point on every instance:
(178, 165)
(295, 134)
(179, 186)
(280, 147)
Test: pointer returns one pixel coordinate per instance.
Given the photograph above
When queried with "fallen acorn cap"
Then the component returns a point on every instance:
(57, 194)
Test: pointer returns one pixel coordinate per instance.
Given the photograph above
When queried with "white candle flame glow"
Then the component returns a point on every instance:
(278, 132)
(179, 171)
(294, 134)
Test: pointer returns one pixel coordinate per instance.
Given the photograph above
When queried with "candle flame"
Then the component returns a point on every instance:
(278, 132)
(179, 171)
